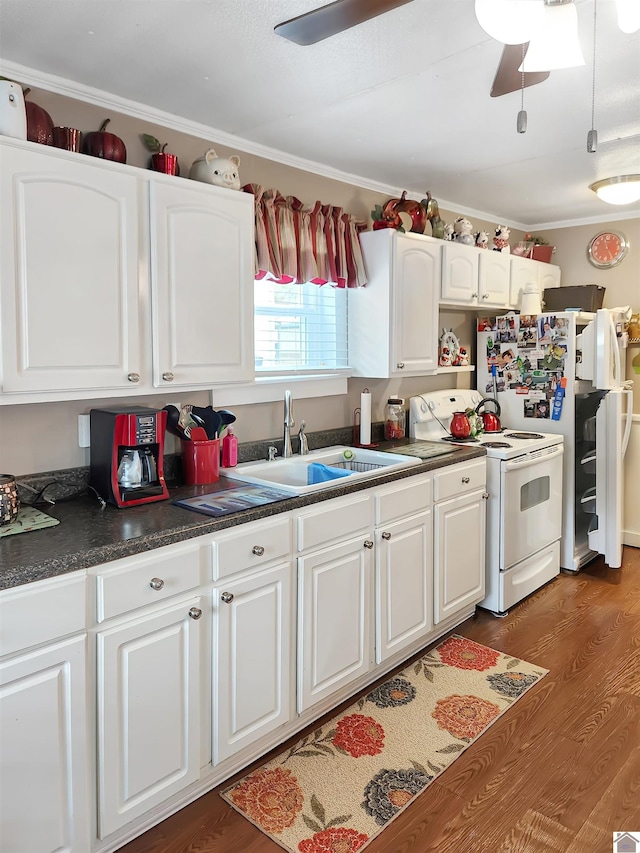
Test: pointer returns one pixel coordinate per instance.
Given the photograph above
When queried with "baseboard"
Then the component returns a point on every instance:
(629, 537)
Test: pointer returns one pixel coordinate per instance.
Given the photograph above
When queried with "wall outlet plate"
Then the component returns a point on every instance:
(84, 431)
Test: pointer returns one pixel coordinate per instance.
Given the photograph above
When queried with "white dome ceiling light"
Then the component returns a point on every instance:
(623, 189)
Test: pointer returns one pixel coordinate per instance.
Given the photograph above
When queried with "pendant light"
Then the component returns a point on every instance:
(555, 43)
(592, 136)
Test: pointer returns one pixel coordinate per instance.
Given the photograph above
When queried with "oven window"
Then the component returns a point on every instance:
(534, 492)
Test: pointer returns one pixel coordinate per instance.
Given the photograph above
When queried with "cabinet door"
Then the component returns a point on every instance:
(549, 275)
(43, 730)
(404, 583)
(253, 646)
(202, 273)
(523, 272)
(334, 616)
(68, 273)
(148, 712)
(414, 330)
(460, 273)
(494, 278)
(459, 526)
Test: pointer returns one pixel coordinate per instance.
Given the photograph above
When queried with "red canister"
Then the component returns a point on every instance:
(460, 425)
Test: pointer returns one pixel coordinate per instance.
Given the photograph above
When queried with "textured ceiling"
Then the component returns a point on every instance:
(401, 100)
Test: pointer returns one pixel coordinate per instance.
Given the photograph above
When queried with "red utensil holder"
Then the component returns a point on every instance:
(201, 462)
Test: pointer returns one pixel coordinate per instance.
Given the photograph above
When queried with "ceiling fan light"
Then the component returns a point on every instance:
(555, 44)
(509, 21)
(623, 189)
(628, 15)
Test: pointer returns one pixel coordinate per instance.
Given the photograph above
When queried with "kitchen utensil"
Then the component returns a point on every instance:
(9, 501)
(490, 420)
(208, 418)
(460, 426)
(173, 415)
(198, 433)
(227, 416)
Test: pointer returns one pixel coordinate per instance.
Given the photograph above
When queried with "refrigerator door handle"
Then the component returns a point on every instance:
(628, 418)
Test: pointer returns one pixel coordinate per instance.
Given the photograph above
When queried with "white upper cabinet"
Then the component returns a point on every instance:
(202, 283)
(68, 274)
(393, 321)
(116, 281)
(528, 272)
(474, 277)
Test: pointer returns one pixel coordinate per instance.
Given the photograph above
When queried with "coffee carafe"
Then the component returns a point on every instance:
(127, 453)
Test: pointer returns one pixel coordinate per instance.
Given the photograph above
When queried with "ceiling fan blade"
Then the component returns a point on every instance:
(333, 18)
(508, 78)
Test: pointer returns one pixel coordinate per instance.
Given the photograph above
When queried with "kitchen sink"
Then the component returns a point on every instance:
(318, 470)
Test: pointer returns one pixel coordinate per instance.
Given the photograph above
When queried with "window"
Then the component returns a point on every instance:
(299, 328)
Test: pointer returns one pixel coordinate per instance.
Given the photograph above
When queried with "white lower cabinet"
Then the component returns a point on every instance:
(44, 755)
(459, 530)
(334, 636)
(43, 751)
(148, 704)
(253, 647)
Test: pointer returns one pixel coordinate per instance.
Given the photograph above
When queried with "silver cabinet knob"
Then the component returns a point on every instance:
(386, 535)
(195, 612)
(258, 550)
(485, 295)
(400, 365)
(227, 597)
(156, 583)
(368, 543)
(486, 496)
(466, 479)
(133, 377)
(168, 377)
(474, 295)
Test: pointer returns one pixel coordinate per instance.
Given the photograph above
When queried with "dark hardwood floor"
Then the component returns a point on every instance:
(558, 774)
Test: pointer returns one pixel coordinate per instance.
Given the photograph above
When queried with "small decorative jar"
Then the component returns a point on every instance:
(9, 501)
(394, 419)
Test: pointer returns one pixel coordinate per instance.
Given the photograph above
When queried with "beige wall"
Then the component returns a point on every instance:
(43, 437)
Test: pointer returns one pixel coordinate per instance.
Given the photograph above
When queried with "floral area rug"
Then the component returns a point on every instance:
(336, 789)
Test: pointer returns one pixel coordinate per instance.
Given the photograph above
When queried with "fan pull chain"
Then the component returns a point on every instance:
(592, 136)
(521, 123)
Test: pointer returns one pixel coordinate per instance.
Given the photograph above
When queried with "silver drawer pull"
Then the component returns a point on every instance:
(386, 535)
(466, 480)
(195, 613)
(227, 597)
(168, 377)
(258, 550)
(133, 377)
(368, 543)
(156, 583)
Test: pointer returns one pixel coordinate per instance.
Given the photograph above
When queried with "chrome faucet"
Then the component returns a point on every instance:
(288, 424)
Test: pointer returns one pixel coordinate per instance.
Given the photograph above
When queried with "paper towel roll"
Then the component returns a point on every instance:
(365, 417)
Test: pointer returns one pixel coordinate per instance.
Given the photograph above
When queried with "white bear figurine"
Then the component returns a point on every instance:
(463, 231)
(501, 239)
(220, 171)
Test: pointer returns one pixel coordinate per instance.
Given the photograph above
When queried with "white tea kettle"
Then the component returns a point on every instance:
(13, 113)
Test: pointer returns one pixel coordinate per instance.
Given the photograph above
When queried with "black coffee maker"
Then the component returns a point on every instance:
(127, 455)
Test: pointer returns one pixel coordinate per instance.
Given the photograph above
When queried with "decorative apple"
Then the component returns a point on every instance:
(160, 162)
(39, 123)
(105, 145)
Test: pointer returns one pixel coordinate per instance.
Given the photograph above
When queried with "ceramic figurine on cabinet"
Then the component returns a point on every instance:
(449, 348)
(462, 358)
(501, 239)
(482, 240)
(463, 231)
(448, 232)
(433, 215)
(220, 171)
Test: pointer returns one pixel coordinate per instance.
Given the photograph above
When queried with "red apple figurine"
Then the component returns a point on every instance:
(39, 123)
(105, 145)
(160, 161)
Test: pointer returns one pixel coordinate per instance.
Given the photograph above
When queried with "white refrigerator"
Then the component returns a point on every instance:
(563, 373)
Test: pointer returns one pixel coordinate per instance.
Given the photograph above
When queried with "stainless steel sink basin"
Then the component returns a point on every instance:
(319, 470)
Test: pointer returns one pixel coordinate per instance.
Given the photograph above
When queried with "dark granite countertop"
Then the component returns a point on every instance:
(89, 535)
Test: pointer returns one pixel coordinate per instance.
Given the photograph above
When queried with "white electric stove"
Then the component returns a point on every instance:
(524, 510)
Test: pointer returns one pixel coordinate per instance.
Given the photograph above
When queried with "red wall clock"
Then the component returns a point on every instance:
(607, 249)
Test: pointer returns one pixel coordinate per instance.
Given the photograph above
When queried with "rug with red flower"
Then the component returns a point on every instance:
(337, 788)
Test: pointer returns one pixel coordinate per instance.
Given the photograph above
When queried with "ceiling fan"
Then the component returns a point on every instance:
(334, 18)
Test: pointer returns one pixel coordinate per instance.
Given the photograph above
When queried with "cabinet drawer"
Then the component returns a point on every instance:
(251, 546)
(334, 520)
(41, 612)
(171, 570)
(405, 497)
(459, 479)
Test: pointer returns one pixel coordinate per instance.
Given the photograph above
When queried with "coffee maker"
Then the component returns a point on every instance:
(127, 455)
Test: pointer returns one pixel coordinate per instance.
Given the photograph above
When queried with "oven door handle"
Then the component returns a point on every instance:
(534, 460)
